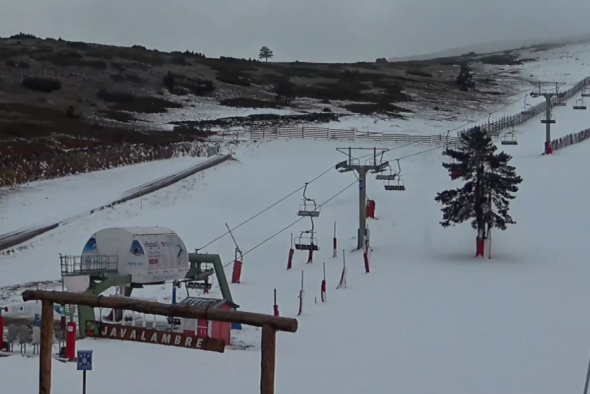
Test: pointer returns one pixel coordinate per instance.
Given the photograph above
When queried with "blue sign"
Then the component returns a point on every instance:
(37, 320)
(361, 184)
(84, 360)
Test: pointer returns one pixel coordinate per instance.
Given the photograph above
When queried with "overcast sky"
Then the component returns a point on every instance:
(305, 30)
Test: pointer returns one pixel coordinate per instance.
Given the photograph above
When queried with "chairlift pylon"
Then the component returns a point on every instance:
(580, 104)
(309, 208)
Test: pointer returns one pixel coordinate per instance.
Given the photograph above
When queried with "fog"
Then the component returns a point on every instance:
(305, 30)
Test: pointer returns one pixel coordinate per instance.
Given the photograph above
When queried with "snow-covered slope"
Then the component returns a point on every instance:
(428, 318)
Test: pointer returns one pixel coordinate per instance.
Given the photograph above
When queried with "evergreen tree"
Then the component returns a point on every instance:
(465, 77)
(265, 53)
(285, 91)
(490, 184)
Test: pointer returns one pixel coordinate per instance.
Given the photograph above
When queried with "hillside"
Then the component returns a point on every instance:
(73, 107)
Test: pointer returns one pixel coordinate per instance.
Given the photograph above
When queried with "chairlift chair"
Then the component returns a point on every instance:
(399, 186)
(586, 92)
(528, 109)
(551, 120)
(309, 208)
(580, 104)
(306, 241)
(509, 139)
(560, 96)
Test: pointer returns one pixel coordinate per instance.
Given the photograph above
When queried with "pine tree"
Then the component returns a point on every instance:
(490, 184)
(465, 77)
(265, 53)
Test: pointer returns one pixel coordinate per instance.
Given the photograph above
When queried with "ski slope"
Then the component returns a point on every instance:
(45, 202)
(429, 318)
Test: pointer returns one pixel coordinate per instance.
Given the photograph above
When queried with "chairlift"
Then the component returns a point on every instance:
(580, 104)
(394, 177)
(509, 139)
(306, 239)
(528, 109)
(586, 92)
(309, 208)
(551, 119)
(559, 97)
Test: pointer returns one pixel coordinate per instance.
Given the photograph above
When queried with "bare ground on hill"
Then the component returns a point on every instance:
(60, 96)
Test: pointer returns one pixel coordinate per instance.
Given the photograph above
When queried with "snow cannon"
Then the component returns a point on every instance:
(147, 254)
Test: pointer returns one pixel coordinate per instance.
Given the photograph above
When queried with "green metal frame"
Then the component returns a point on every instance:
(101, 282)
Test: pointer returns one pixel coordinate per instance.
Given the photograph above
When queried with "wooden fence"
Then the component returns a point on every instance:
(570, 139)
(494, 127)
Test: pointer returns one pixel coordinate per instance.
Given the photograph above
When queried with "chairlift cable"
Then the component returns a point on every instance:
(296, 221)
(272, 206)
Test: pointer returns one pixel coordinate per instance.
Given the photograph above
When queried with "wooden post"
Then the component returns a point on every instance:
(46, 347)
(267, 376)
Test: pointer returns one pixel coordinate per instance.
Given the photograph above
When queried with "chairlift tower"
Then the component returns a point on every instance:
(373, 164)
(548, 94)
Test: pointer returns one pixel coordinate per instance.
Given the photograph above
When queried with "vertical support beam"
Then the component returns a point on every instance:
(362, 206)
(45, 347)
(267, 375)
(548, 118)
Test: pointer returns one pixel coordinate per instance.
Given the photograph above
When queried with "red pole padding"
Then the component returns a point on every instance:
(479, 247)
(237, 272)
(548, 148)
(310, 256)
(275, 310)
(71, 341)
(323, 290)
(290, 260)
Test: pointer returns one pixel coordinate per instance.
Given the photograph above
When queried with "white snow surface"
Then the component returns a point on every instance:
(46, 202)
(429, 318)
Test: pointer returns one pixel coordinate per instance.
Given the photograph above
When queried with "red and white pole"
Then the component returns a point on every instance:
(301, 297)
(310, 255)
(335, 243)
(236, 272)
(342, 283)
(291, 253)
(367, 256)
(275, 306)
(324, 296)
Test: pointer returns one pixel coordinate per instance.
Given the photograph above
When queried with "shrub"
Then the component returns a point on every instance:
(233, 79)
(45, 85)
(169, 81)
(23, 36)
(77, 45)
(245, 102)
(202, 87)
(118, 97)
(16, 64)
(118, 66)
(148, 105)
(419, 73)
(179, 61)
